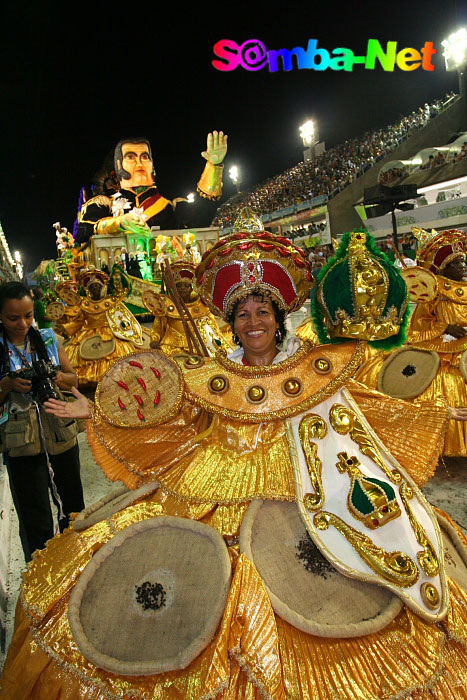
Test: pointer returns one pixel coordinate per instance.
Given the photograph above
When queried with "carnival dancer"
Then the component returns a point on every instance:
(139, 200)
(285, 550)
(101, 328)
(168, 332)
(433, 364)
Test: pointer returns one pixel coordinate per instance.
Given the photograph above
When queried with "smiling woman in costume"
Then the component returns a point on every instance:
(334, 585)
(434, 363)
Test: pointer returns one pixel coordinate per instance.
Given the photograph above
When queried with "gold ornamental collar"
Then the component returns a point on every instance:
(273, 392)
(452, 290)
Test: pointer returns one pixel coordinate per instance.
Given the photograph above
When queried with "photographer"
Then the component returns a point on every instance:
(39, 453)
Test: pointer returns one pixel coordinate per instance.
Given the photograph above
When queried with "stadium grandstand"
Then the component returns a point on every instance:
(325, 196)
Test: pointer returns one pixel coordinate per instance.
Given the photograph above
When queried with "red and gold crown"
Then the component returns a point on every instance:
(182, 270)
(253, 260)
(89, 276)
(437, 250)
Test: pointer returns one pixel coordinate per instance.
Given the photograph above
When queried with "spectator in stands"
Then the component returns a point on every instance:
(328, 173)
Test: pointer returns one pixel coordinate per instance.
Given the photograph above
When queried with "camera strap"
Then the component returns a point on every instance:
(53, 485)
(24, 360)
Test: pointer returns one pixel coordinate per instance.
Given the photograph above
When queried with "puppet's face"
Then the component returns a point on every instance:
(137, 162)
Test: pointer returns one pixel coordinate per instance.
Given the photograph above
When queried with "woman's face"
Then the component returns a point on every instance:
(255, 324)
(17, 316)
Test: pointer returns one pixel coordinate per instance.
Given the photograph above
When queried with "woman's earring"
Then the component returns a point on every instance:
(236, 339)
(278, 337)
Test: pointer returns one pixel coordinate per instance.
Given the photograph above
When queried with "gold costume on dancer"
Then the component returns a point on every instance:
(429, 329)
(168, 332)
(102, 331)
(289, 432)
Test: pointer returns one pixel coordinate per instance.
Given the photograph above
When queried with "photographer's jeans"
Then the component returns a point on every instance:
(29, 484)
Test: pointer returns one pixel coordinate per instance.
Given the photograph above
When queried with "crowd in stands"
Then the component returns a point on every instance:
(330, 172)
(320, 254)
(435, 160)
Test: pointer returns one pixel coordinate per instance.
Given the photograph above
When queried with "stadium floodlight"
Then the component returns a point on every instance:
(307, 132)
(235, 176)
(190, 198)
(18, 264)
(455, 50)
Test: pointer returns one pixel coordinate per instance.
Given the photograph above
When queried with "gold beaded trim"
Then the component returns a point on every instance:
(322, 394)
(258, 371)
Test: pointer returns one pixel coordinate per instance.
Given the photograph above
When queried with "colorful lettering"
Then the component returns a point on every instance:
(252, 55)
(428, 51)
(374, 51)
(227, 50)
(406, 55)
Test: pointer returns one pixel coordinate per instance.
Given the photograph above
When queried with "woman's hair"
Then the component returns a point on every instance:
(260, 294)
(12, 290)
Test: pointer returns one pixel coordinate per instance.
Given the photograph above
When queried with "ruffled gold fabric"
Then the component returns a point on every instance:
(216, 466)
(210, 468)
(255, 654)
(418, 448)
(306, 331)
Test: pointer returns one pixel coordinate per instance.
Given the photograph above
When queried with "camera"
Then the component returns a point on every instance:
(41, 375)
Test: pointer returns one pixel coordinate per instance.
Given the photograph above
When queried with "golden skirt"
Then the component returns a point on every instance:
(254, 654)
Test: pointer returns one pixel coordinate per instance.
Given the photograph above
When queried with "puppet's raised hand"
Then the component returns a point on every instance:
(216, 147)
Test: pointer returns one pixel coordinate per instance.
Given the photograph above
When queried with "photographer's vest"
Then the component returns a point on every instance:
(20, 433)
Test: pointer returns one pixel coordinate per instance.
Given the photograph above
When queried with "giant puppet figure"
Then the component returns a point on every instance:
(139, 200)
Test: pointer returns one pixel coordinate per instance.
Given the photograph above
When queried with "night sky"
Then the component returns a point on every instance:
(71, 88)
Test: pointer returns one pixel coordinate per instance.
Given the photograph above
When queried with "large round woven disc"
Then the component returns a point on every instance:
(304, 588)
(94, 348)
(112, 503)
(421, 284)
(407, 372)
(141, 389)
(151, 598)
(455, 552)
(55, 310)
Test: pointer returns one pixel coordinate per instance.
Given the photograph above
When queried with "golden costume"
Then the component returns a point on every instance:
(100, 330)
(222, 435)
(444, 302)
(168, 331)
